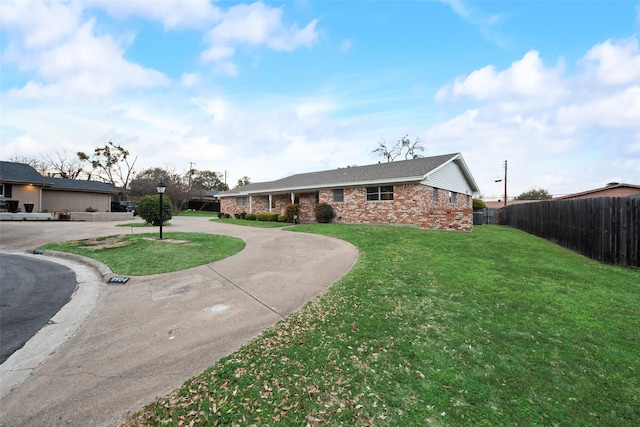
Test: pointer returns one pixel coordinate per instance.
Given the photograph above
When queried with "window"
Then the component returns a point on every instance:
(435, 196)
(379, 193)
(338, 195)
(242, 201)
(452, 197)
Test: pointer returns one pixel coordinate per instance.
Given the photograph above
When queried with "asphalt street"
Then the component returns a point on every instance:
(32, 291)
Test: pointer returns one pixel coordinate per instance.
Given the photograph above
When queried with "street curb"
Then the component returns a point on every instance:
(103, 270)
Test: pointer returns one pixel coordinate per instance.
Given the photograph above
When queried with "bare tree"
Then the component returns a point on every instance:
(112, 164)
(37, 164)
(404, 145)
(63, 164)
(412, 148)
(389, 153)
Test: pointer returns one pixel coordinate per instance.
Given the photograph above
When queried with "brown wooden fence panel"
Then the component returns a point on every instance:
(606, 229)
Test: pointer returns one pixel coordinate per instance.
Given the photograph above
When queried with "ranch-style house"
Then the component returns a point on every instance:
(430, 192)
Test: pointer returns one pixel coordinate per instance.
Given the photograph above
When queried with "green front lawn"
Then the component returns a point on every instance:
(494, 327)
(142, 254)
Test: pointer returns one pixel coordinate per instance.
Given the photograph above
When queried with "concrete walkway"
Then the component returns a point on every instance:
(137, 342)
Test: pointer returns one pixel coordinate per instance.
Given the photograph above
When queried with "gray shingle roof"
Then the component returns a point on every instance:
(80, 185)
(389, 172)
(21, 173)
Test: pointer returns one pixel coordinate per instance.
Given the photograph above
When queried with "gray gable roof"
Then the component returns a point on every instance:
(414, 170)
(21, 173)
(80, 185)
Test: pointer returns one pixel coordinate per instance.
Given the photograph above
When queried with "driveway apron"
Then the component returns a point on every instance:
(145, 338)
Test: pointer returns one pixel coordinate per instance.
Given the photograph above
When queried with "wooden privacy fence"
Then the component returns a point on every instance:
(605, 229)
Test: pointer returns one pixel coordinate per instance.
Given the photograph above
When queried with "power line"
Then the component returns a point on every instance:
(555, 173)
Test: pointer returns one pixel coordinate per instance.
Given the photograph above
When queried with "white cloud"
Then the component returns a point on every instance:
(619, 111)
(84, 65)
(39, 23)
(538, 118)
(256, 25)
(172, 13)
(527, 77)
(190, 79)
(615, 63)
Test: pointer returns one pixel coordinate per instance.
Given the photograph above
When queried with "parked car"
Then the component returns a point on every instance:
(123, 207)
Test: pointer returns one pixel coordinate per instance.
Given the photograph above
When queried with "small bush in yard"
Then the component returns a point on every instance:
(478, 205)
(291, 212)
(324, 213)
(250, 217)
(282, 218)
(267, 216)
(149, 209)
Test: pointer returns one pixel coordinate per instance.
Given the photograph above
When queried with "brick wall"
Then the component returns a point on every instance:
(412, 204)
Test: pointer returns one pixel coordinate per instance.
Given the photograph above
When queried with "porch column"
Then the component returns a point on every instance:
(270, 201)
(293, 198)
(250, 203)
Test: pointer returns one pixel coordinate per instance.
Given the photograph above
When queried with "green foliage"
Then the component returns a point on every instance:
(267, 216)
(324, 213)
(240, 215)
(250, 217)
(535, 194)
(220, 214)
(291, 212)
(478, 204)
(149, 209)
(282, 218)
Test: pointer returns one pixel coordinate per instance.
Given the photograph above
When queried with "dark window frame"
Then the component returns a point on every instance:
(381, 193)
(337, 195)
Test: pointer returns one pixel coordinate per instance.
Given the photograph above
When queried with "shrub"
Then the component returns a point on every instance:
(282, 218)
(250, 217)
(267, 216)
(220, 215)
(291, 212)
(149, 209)
(236, 216)
(478, 205)
(227, 215)
(324, 213)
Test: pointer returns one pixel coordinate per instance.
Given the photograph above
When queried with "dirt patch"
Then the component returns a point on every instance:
(103, 242)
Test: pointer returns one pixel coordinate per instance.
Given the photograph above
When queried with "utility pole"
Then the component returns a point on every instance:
(505, 183)
(190, 174)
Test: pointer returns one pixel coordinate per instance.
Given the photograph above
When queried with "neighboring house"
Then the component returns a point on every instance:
(24, 188)
(613, 189)
(430, 192)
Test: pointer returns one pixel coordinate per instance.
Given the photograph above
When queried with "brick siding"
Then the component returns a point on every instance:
(412, 204)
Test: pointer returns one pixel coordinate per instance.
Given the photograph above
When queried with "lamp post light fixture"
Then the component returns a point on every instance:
(161, 189)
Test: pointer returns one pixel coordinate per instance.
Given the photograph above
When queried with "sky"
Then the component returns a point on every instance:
(270, 89)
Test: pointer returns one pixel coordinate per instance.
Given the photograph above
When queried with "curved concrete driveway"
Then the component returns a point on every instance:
(147, 337)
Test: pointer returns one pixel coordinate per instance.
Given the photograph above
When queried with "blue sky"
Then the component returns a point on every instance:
(268, 89)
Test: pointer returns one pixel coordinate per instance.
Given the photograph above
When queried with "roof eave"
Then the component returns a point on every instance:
(326, 186)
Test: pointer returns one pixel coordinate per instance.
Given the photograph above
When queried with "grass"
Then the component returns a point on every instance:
(206, 214)
(252, 223)
(138, 254)
(494, 327)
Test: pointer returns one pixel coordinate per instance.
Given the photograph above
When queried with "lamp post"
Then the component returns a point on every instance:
(161, 188)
